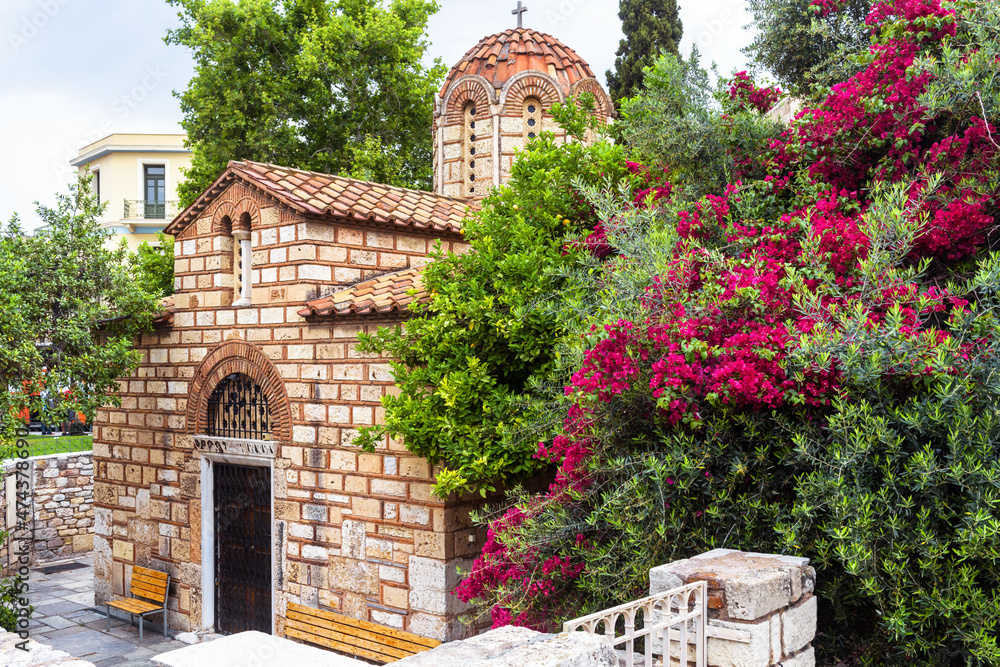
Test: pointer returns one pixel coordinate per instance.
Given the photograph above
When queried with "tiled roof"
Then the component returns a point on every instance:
(388, 294)
(166, 315)
(337, 197)
(499, 57)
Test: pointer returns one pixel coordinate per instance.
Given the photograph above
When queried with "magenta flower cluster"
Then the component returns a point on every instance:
(720, 333)
(746, 94)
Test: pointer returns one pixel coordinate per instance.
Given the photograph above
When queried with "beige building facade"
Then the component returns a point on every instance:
(137, 176)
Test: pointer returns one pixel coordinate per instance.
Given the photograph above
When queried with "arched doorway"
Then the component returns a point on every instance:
(239, 421)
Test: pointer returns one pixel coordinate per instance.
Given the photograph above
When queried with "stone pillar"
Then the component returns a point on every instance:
(768, 596)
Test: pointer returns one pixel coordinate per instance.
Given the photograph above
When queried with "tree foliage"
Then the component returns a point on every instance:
(804, 47)
(155, 264)
(71, 309)
(803, 361)
(651, 27)
(322, 85)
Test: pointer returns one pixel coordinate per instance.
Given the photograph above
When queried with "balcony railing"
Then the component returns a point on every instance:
(146, 210)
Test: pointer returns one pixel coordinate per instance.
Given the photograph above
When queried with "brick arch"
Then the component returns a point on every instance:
(235, 212)
(529, 84)
(237, 356)
(603, 107)
(465, 90)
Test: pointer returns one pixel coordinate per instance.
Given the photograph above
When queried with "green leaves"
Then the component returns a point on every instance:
(336, 86)
(490, 334)
(651, 27)
(71, 309)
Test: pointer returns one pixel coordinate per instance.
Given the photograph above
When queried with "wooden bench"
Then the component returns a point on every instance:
(149, 596)
(349, 635)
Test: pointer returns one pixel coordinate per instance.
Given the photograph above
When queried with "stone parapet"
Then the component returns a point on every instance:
(61, 497)
(768, 596)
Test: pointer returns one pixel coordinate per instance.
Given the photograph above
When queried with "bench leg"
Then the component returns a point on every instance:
(166, 630)
(140, 627)
(107, 609)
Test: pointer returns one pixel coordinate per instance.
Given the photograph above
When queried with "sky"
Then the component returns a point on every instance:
(74, 71)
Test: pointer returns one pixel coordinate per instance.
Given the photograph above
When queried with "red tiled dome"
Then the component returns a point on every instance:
(499, 57)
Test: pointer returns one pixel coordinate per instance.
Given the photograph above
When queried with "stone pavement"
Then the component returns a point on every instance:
(65, 619)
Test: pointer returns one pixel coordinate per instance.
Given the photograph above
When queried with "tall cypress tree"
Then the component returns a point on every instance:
(650, 26)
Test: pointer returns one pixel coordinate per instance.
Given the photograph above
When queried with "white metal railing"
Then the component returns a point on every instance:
(672, 625)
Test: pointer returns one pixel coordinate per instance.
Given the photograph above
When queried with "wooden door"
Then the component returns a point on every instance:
(242, 549)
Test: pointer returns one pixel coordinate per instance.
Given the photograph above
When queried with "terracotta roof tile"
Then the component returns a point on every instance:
(166, 315)
(522, 49)
(338, 197)
(389, 294)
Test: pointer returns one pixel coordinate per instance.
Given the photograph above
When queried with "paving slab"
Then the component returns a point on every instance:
(88, 642)
(252, 648)
(58, 622)
(86, 598)
(60, 608)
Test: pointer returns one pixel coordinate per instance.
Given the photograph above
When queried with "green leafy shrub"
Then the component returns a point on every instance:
(492, 325)
(801, 361)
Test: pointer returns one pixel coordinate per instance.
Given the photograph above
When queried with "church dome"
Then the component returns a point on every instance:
(500, 57)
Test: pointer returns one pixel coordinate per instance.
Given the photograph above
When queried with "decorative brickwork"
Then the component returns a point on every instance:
(497, 76)
(238, 356)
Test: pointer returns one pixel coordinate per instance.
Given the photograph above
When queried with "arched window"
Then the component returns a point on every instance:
(241, 261)
(532, 118)
(469, 149)
(238, 409)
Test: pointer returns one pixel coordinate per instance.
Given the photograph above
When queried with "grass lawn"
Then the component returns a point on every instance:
(47, 444)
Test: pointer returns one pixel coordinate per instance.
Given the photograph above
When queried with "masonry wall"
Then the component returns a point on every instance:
(356, 533)
(63, 497)
(62, 511)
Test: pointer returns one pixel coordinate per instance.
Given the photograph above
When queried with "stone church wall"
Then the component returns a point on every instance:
(359, 533)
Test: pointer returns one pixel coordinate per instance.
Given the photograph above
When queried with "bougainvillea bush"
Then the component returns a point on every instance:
(804, 360)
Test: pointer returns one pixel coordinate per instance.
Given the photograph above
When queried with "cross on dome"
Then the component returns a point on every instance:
(519, 12)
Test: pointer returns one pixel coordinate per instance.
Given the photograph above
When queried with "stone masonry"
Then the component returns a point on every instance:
(63, 497)
(768, 596)
(354, 532)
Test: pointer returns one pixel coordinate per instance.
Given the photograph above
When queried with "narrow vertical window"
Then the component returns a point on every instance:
(241, 266)
(532, 118)
(469, 151)
(155, 179)
(97, 185)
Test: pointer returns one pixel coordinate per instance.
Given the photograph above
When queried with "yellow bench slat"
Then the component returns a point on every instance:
(323, 626)
(152, 594)
(134, 606)
(337, 646)
(335, 618)
(347, 639)
(153, 574)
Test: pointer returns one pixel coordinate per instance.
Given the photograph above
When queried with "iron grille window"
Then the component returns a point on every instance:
(238, 409)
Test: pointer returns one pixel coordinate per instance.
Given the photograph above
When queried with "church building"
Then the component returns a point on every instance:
(229, 464)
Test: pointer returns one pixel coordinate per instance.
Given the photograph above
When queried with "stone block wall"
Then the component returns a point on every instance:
(63, 497)
(6, 524)
(62, 510)
(768, 596)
